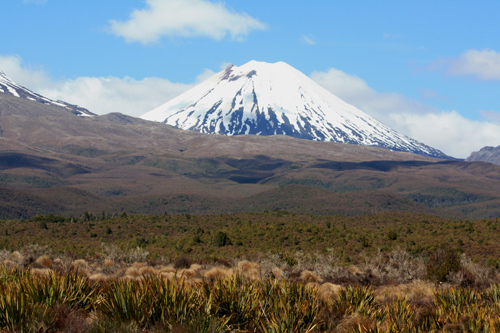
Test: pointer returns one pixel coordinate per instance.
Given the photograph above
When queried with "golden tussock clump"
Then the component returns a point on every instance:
(44, 261)
(168, 275)
(41, 271)
(309, 277)
(138, 264)
(166, 270)
(132, 273)
(328, 289)
(108, 263)
(196, 267)
(17, 257)
(217, 273)
(58, 262)
(277, 273)
(249, 269)
(187, 273)
(99, 277)
(417, 290)
(9, 263)
(355, 270)
(80, 264)
(354, 321)
(147, 270)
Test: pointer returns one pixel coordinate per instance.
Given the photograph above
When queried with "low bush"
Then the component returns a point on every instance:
(443, 261)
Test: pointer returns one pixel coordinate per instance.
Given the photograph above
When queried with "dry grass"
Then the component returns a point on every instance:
(309, 277)
(108, 263)
(396, 274)
(243, 294)
(216, 273)
(44, 261)
(132, 273)
(328, 290)
(416, 290)
(357, 322)
(41, 271)
(252, 270)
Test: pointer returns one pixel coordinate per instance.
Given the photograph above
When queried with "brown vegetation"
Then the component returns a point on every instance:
(54, 162)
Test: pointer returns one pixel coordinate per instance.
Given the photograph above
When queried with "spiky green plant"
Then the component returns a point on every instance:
(355, 299)
(234, 298)
(14, 308)
(69, 289)
(399, 316)
(130, 301)
(288, 307)
(492, 294)
(18, 312)
(455, 299)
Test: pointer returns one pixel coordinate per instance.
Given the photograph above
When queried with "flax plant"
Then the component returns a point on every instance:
(57, 289)
(233, 299)
(288, 307)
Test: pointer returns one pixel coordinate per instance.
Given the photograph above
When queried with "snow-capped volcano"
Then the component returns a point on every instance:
(270, 99)
(8, 86)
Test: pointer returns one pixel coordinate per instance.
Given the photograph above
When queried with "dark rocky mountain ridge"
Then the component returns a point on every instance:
(486, 154)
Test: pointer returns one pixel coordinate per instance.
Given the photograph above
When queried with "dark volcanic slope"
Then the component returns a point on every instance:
(486, 154)
(47, 127)
(52, 161)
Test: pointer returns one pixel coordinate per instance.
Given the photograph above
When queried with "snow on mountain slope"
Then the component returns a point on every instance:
(9, 87)
(271, 99)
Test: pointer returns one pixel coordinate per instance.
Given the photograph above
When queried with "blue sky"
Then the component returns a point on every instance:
(430, 69)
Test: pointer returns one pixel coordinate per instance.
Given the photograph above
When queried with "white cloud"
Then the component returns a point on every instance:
(484, 64)
(450, 132)
(103, 95)
(493, 116)
(22, 74)
(356, 91)
(100, 95)
(206, 74)
(308, 39)
(184, 18)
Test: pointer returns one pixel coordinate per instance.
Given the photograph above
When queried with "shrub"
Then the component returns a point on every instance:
(392, 235)
(182, 262)
(222, 239)
(364, 241)
(442, 262)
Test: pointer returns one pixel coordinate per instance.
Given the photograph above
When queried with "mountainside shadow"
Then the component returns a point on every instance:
(13, 160)
(384, 166)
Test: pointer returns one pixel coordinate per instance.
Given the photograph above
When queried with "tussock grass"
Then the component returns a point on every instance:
(229, 301)
(397, 287)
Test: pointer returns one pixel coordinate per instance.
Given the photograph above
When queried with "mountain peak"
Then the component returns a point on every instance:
(276, 99)
(486, 154)
(7, 86)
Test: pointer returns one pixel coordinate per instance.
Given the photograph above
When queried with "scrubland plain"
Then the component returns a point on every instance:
(269, 272)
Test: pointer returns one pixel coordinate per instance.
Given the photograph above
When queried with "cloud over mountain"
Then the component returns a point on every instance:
(445, 130)
(135, 97)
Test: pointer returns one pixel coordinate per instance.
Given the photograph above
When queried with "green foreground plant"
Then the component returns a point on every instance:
(33, 301)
